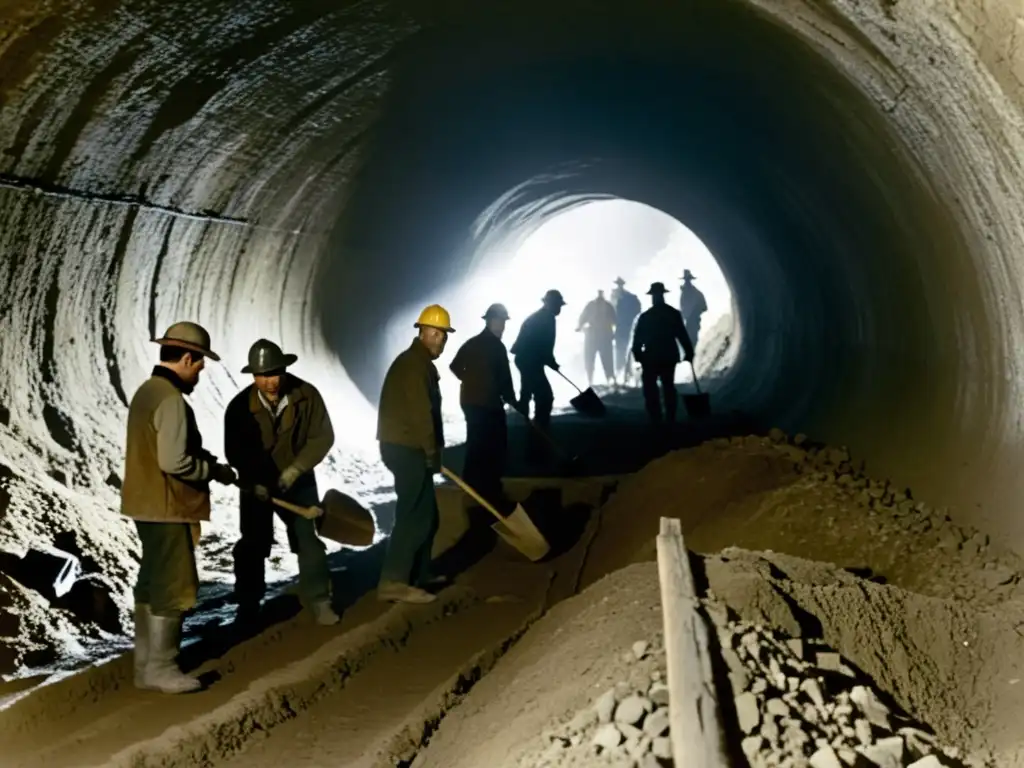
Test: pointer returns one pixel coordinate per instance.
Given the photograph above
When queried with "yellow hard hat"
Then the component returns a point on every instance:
(435, 316)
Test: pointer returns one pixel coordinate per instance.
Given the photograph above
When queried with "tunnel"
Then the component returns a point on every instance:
(305, 171)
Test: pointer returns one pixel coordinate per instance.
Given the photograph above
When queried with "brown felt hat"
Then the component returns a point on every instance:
(190, 336)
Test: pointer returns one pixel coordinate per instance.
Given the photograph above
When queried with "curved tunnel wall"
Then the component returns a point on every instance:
(864, 210)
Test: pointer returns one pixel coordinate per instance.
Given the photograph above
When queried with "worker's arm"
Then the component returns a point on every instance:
(637, 348)
(584, 317)
(505, 387)
(684, 338)
(458, 366)
(416, 381)
(171, 424)
(320, 438)
(548, 341)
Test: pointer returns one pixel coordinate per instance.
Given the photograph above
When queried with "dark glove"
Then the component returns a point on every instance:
(688, 356)
(261, 492)
(223, 474)
(288, 478)
(554, 366)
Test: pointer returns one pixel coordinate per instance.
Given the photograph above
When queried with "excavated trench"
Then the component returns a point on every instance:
(303, 172)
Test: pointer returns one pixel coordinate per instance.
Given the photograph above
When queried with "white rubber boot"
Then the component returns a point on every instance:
(162, 673)
(393, 592)
(324, 614)
(141, 643)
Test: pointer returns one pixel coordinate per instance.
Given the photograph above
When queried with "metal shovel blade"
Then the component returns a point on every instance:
(345, 520)
(520, 532)
(588, 403)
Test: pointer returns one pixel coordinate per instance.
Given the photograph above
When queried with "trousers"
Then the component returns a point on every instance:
(253, 548)
(407, 559)
(665, 374)
(486, 450)
(593, 346)
(534, 385)
(168, 580)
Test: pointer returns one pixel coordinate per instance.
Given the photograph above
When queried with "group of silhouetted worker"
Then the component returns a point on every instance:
(277, 430)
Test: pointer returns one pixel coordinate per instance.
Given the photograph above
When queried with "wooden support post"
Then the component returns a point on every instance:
(698, 739)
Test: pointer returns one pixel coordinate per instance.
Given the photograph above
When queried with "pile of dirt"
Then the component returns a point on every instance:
(794, 699)
(954, 665)
(766, 493)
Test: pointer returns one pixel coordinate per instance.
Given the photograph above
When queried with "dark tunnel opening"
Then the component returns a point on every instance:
(823, 224)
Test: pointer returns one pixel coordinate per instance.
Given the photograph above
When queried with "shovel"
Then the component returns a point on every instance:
(517, 529)
(699, 405)
(586, 402)
(339, 518)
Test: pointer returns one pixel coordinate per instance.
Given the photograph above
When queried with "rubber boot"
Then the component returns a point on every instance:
(162, 673)
(141, 654)
(323, 613)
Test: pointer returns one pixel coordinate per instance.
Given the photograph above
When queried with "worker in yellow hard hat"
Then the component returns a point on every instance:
(411, 439)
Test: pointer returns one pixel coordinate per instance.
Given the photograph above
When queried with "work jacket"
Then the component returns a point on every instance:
(657, 331)
(534, 347)
(166, 470)
(598, 319)
(410, 402)
(260, 445)
(481, 364)
(627, 307)
(692, 303)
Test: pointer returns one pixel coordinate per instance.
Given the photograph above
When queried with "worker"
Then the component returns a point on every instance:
(534, 349)
(276, 431)
(627, 309)
(658, 333)
(597, 321)
(166, 492)
(411, 439)
(692, 305)
(481, 364)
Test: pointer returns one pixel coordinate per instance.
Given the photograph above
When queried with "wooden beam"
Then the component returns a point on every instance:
(698, 739)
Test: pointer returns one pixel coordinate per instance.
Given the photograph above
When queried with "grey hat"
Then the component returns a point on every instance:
(554, 297)
(496, 310)
(190, 336)
(688, 275)
(265, 356)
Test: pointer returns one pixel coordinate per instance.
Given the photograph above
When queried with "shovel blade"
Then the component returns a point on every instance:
(588, 403)
(520, 532)
(345, 520)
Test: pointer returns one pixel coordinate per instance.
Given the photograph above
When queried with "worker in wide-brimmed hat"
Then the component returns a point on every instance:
(166, 492)
(481, 364)
(534, 350)
(411, 437)
(597, 322)
(692, 305)
(656, 339)
(627, 308)
(276, 431)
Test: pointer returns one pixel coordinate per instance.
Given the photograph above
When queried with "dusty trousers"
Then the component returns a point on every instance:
(693, 329)
(622, 344)
(535, 385)
(650, 377)
(407, 560)
(253, 548)
(168, 581)
(486, 451)
(594, 345)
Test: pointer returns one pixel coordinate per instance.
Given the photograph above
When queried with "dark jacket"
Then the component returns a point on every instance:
(657, 331)
(410, 402)
(481, 364)
(535, 344)
(627, 307)
(260, 447)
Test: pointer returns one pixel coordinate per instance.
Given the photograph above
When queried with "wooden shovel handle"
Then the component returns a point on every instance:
(310, 513)
(471, 493)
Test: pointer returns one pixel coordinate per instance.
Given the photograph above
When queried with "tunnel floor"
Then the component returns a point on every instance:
(925, 610)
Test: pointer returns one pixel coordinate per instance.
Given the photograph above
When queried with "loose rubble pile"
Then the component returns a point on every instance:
(798, 703)
(626, 726)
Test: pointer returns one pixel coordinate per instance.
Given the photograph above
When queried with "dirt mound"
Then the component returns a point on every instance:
(762, 493)
(952, 664)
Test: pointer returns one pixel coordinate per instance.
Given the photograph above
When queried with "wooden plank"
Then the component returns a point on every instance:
(698, 739)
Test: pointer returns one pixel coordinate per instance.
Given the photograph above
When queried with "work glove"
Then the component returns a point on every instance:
(261, 492)
(288, 478)
(554, 366)
(688, 356)
(223, 474)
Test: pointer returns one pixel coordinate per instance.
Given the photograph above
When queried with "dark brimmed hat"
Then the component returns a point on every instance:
(554, 297)
(190, 336)
(265, 356)
(657, 288)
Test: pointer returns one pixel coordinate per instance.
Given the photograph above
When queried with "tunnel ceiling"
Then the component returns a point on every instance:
(299, 169)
